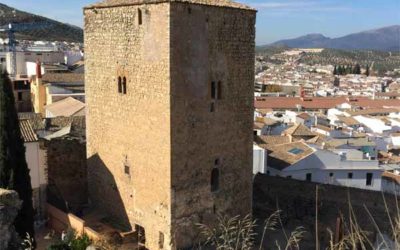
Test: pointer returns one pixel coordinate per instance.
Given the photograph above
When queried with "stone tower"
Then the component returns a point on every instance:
(169, 91)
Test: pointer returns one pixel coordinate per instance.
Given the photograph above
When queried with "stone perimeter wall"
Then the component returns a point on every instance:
(67, 172)
(213, 45)
(296, 200)
(131, 130)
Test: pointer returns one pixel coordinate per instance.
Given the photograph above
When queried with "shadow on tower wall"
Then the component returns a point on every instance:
(104, 195)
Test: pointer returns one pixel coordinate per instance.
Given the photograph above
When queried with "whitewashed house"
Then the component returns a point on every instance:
(36, 164)
(289, 116)
(302, 162)
(395, 139)
(367, 146)
(373, 125)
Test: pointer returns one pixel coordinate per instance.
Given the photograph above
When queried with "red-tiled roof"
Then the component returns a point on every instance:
(26, 131)
(321, 102)
(304, 116)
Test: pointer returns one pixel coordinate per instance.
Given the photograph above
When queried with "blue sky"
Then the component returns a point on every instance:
(276, 19)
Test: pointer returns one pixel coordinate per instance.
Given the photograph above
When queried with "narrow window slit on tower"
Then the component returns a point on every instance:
(213, 90)
(124, 85)
(140, 18)
(212, 107)
(161, 240)
(215, 180)
(127, 170)
(119, 85)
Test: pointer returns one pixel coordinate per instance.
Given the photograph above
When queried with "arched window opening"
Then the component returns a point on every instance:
(214, 180)
(124, 85)
(140, 17)
(119, 85)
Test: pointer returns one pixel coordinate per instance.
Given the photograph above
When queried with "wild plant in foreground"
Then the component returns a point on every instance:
(230, 233)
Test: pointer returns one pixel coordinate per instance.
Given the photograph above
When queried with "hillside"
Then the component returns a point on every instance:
(384, 39)
(56, 31)
(380, 61)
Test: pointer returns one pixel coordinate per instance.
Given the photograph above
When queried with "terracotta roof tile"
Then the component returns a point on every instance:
(274, 139)
(304, 116)
(299, 130)
(27, 131)
(284, 155)
(323, 128)
(373, 111)
(321, 102)
(317, 140)
(349, 121)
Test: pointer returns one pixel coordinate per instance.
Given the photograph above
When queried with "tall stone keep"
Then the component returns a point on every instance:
(169, 91)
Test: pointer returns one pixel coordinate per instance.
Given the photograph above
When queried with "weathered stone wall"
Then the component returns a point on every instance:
(296, 200)
(9, 207)
(162, 130)
(213, 45)
(67, 172)
(131, 130)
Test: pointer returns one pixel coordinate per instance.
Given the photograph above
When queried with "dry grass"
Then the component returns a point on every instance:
(239, 233)
(230, 233)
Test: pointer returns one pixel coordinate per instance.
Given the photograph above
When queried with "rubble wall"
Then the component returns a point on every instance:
(9, 207)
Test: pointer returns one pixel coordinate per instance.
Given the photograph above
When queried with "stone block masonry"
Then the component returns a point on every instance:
(10, 204)
(169, 89)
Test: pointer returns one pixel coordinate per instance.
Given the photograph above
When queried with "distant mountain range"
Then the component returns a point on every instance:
(57, 31)
(384, 39)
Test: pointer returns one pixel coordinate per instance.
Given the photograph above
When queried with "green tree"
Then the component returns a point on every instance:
(335, 72)
(349, 69)
(357, 69)
(341, 70)
(367, 71)
(14, 172)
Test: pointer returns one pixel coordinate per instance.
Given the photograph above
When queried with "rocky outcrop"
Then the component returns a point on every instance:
(9, 207)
